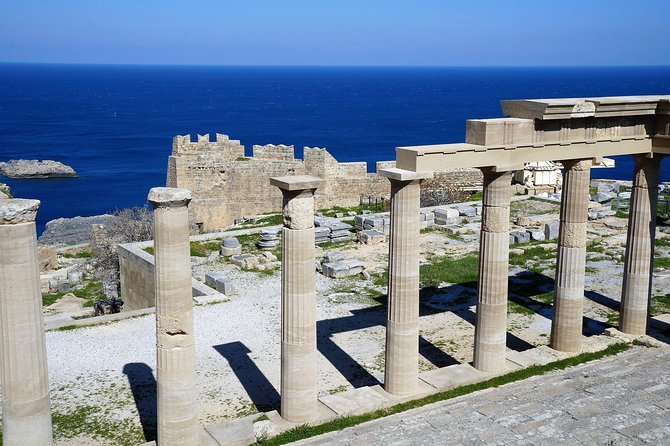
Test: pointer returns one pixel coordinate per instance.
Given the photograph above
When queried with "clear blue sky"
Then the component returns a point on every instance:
(337, 32)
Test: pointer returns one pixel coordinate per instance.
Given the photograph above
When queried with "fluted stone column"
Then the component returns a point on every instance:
(26, 412)
(566, 327)
(491, 325)
(637, 273)
(175, 346)
(298, 299)
(401, 374)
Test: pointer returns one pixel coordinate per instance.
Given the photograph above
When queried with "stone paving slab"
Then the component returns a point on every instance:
(591, 404)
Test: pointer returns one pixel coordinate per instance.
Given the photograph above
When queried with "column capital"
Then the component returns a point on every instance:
(578, 164)
(297, 183)
(18, 210)
(396, 174)
(169, 197)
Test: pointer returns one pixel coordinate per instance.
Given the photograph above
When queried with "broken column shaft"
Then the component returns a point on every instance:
(637, 271)
(401, 372)
(175, 346)
(566, 327)
(26, 412)
(298, 299)
(491, 326)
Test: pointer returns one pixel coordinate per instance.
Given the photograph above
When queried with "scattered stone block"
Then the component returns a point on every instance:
(520, 236)
(63, 287)
(374, 223)
(455, 229)
(342, 268)
(467, 211)
(446, 216)
(245, 261)
(74, 277)
(537, 235)
(602, 197)
(321, 234)
(220, 283)
(333, 256)
(372, 237)
(269, 238)
(551, 230)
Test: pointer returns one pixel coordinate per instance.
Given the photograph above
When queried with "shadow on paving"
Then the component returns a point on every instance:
(459, 298)
(143, 386)
(261, 392)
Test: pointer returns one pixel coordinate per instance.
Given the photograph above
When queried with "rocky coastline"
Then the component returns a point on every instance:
(4, 191)
(36, 169)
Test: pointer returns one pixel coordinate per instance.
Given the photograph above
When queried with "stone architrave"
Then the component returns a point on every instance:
(298, 299)
(566, 327)
(401, 373)
(637, 273)
(175, 346)
(491, 326)
(26, 411)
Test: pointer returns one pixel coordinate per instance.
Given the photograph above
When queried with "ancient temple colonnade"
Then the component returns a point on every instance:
(575, 132)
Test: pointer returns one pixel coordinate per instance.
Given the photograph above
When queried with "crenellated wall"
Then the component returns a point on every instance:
(226, 185)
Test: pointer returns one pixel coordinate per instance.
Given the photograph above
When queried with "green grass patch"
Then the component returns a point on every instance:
(661, 262)
(477, 196)
(90, 421)
(331, 212)
(50, 298)
(516, 308)
(78, 255)
(149, 250)
(90, 292)
(447, 269)
(203, 249)
(305, 431)
(595, 247)
(242, 158)
(662, 242)
(530, 252)
(660, 305)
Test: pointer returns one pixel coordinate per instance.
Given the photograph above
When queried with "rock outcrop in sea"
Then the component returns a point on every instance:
(36, 169)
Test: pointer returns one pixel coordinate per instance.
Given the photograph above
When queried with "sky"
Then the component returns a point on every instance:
(337, 32)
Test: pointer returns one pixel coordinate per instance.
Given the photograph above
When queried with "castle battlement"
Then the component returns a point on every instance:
(279, 152)
(222, 143)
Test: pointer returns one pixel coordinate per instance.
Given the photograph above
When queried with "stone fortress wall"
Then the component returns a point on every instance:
(226, 185)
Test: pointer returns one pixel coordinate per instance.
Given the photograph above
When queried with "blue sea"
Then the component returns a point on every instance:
(114, 124)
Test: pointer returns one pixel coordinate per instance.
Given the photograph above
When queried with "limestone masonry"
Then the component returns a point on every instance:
(226, 185)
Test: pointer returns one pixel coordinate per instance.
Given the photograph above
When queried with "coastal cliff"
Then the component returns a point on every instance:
(36, 169)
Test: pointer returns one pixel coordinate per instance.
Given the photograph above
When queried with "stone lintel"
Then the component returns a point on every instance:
(297, 182)
(451, 156)
(404, 175)
(567, 108)
(17, 210)
(165, 197)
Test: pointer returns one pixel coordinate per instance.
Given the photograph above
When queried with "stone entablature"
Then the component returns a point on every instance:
(552, 129)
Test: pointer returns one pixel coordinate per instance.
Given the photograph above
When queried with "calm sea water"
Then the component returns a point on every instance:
(114, 124)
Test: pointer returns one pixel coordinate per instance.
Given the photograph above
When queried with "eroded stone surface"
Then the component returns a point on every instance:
(18, 210)
(169, 196)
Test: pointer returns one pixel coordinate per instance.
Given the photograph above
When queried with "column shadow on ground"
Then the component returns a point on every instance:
(143, 386)
(261, 392)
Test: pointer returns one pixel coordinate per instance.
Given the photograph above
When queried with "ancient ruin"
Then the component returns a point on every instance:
(574, 132)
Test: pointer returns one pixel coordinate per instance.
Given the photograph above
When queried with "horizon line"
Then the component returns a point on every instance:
(133, 64)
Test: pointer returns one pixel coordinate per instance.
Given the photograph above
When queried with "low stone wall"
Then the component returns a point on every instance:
(136, 268)
(137, 276)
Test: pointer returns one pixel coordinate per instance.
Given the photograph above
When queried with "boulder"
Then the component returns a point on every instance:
(371, 237)
(551, 230)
